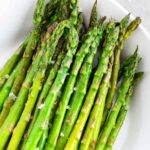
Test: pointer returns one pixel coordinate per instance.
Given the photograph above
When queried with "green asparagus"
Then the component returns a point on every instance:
(125, 33)
(37, 85)
(11, 63)
(96, 81)
(81, 88)
(94, 16)
(40, 122)
(25, 62)
(79, 28)
(132, 27)
(126, 83)
(114, 79)
(57, 90)
(46, 88)
(85, 48)
(7, 87)
(123, 112)
(16, 109)
(99, 105)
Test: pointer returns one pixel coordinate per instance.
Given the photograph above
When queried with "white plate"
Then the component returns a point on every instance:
(16, 22)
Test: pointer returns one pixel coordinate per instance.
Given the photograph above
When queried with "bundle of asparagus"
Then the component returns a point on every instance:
(55, 93)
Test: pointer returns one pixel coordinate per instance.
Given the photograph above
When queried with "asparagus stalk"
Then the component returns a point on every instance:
(50, 9)
(80, 23)
(32, 42)
(37, 85)
(25, 62)
(9, 101)
(85, 48)
(44, 137)
(112, 35)
(61, 12)
(123, 112)
(64, 7)
(46, 88)
(97, 112)
(74, 12)
(132, 27)
(126, 83)
(94, 15)
(81, 87)
(114, 78)
(17, 108)
(39, 13)
(7, 87)
(11, 63)
(125, 63)
(14, 59)
(73, 20)
(124, 34)
(67, 93)
(41, 121)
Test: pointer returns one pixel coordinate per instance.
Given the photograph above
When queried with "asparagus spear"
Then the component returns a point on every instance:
(81, 87)
(37, 85)
(126, 83)
(7, 87)
(14, 59)
(72, 78)
(46, 88)
(98, 108)
(112, 35)
(123, 112)
(50, 75)
(9, 101)
(70, 86)
(132, 27)
(126, 62)
(114, 79)
(124, 34)
(32, 42)
(94, 15)
(50, 9)
(61, 12)
(25, 62)
(123, 26)
(80, 23)
(20, 101)
(40, 123)
(39, 13)
(44, 137)
(11, 63)
(73, 18)
(97, 111)
(64, 8)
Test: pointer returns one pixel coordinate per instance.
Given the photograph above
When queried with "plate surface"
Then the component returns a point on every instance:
(16, 22)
